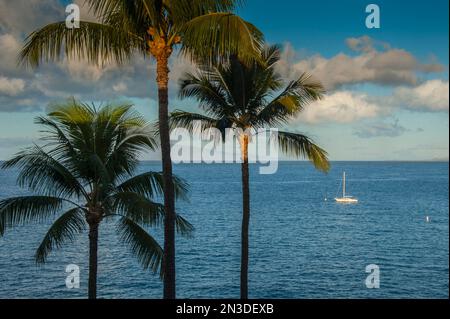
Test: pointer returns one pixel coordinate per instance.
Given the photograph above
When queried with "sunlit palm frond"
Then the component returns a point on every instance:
(271, 55)
(214, 37)
(301, 146)
(95, 42)
(291, 101)
(182, 12)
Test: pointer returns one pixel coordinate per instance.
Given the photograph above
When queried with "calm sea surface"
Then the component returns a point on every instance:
(302, 245)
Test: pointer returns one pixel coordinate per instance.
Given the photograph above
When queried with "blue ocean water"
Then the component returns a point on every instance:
(301, 245)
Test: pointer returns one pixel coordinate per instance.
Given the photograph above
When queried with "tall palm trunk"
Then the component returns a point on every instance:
(93, 248)
(169, 198)
(245, 216)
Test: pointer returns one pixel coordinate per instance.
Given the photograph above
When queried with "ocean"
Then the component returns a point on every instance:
(302, 243)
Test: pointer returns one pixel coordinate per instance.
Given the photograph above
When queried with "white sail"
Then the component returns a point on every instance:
(345, 198)
(343, 187)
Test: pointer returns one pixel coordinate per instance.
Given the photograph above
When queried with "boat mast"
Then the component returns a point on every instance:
(343, 188)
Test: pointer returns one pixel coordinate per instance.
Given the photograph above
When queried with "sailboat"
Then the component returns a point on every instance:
(345, 199)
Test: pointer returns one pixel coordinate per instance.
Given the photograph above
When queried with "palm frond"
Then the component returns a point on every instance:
(58, 140)
(90, 142)
(135, 15)
(137, 208)
(43, 174)
(63, 230)
(215, 37)
(205, 88)
(184, 228)
(19, 210)
(95, 42)
(301, 146)
(151, 184)
(130, 145)
(188, 120)
(292, 100)
(142, 245)
(271, 55)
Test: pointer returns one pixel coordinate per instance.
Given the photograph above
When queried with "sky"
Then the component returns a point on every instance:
(387, 88)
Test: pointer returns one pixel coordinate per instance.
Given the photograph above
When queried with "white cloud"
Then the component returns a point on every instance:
(347, 106)
(432, 95)
(82, 70)
(340, 107)
(365, 44)
(120, 87)
(390, 67)
(9, 51)
(11, 87)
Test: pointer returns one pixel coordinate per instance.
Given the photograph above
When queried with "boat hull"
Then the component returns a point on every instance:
(346, 200)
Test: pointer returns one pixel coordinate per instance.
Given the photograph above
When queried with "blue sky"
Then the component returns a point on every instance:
(418, 26)
(387, 88)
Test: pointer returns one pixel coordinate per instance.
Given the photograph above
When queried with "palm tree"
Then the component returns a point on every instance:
(83, 175)
(248, 97)
(203, 29)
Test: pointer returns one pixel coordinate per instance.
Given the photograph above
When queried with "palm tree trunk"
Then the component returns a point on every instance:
(93, 248)
(245, 217)
(169, 198)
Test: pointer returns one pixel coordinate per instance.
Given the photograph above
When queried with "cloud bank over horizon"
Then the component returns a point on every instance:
(369, 82)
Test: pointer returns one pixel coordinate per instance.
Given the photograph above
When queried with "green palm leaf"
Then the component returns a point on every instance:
(43, 174)
(138, 208)
(143, 246)
(187, 120)
(214, 37)
(95, 42)
(299, 145)
(151, 184)
(143, 211)
(63, 230)
(184, 228)
(20, 210)
(291, 101)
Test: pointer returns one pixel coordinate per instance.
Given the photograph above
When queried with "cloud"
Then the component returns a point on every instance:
(31, 90)
(365, 44)
(341, 107)
(11, 87)
(81, 70)
(380, 129)
(9, 50)
(387, 67)
(432, 95)
(120, 87)
(24, 16)
(373, 62)
(349, 106)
